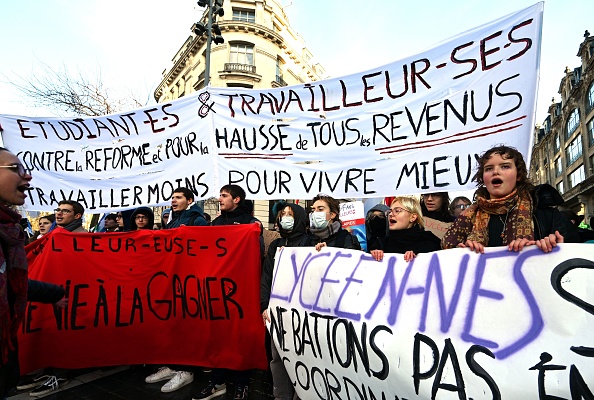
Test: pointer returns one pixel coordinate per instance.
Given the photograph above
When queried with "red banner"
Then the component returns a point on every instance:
(186, 296)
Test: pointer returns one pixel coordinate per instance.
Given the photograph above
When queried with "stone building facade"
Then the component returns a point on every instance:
(260, 50)
(563, 152)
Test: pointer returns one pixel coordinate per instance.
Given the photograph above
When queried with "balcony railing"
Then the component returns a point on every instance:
(281, 81)
(574, 158)
(236, 67)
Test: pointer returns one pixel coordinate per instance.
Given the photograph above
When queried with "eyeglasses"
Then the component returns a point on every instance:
(63, 211)
(141, 217)
(430, 195)
(119, 216)
(19, 169)
(462, 206)
(397, 210)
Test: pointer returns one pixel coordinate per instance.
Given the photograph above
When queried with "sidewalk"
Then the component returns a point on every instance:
(128, 383)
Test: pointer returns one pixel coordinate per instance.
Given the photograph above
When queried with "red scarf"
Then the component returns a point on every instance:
(13, 280)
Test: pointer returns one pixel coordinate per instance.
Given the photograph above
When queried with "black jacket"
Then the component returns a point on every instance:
(416, 239)
(297, 237)
(44, 292)
(547, 218)
(237, 217)
(342, 239)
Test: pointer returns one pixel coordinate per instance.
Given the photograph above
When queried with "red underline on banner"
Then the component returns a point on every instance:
(424, 143)
(257, 154)
(264, 156)
(454, 141)
(259, 157)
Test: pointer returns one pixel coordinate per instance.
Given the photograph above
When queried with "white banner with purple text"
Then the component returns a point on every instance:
(448, 325)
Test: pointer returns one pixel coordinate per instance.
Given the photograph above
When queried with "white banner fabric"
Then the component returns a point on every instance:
(448, 325)
(412, 126)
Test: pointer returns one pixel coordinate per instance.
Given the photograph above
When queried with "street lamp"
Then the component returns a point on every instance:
(213, 32)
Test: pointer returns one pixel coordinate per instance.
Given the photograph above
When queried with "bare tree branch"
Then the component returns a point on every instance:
(69, 94)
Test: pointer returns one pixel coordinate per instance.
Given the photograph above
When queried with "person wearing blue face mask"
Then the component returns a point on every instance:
(292, 226)
(326, 227)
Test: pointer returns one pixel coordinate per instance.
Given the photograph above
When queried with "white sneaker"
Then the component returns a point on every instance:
(163, 374)
(179, 380)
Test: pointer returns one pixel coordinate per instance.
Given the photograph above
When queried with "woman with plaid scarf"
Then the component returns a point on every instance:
(508, 210)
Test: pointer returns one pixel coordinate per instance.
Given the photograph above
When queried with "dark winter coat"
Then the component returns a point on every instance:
(44, 292)
(297, 237)
(237, 217)
(342, 239)
(414, 239)
(547, 218)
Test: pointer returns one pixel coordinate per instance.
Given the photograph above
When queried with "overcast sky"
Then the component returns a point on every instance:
(131, 42)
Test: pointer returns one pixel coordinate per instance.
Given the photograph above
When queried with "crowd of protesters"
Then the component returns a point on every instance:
(507, 210)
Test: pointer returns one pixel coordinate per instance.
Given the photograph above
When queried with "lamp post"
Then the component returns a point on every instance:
(215, 7)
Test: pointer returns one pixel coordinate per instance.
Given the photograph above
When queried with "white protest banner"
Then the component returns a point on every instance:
(116, 161)
(448, 325)
(412, 126)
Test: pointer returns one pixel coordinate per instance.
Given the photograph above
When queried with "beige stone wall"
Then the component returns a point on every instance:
(575, 88)
(272, 38)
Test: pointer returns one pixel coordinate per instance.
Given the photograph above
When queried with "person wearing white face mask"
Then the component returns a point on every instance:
(292, 226)
(326, 227)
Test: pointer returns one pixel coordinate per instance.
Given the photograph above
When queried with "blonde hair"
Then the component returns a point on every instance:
(412, 205)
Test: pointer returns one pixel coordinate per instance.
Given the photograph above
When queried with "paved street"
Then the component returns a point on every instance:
(128, 383)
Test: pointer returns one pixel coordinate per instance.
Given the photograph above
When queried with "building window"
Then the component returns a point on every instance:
(590, 100)
(279, 72)
(557, 143)
(279, 67)
(560, 188)
(591, 132)
(572, 123)
(244, 15)
(574, 151)
(242, 53)
(576, 176)
(558, 167)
